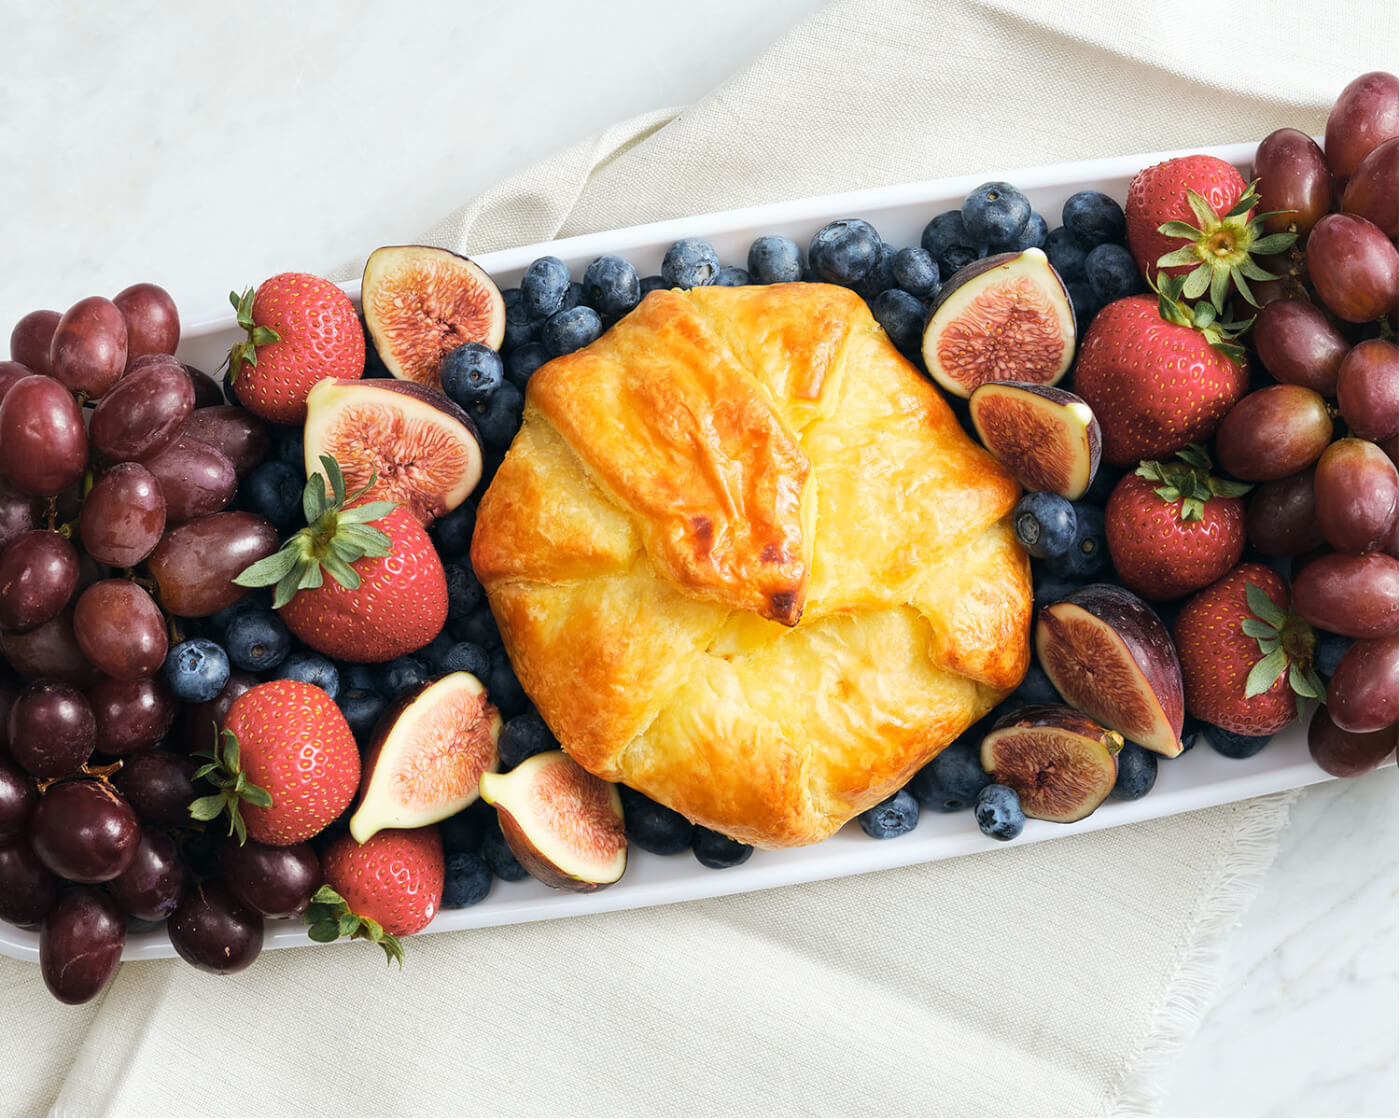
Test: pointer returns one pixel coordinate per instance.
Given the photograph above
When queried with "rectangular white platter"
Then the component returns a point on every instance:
(1196, 780)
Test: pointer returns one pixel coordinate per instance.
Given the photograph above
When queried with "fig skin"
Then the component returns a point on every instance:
(1080, 439)
(1057, 725)
(1149, 646)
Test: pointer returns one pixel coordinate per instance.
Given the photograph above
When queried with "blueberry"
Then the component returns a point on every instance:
(902, 316)
(690, 263)
(653, 284)
(1102, 484)
(611, 287)
(1137, 772)
(312, 668)
(1232, 744)
(717, 851)
(361, 708)
(479, 628)
(499, 420)
(254, 600)
(573, 297)
(1065, 253)
(453, 531)
(1044, 523)
(503, 687)
(844, 251)
(1086, 305)
(998, 812)
(289, 446)
(273, 490)
(953, 779)
(520, 327)
(465, 831)
(195, 670)
(465, 657)
(230, 393)
(499, 857)
(775, 260)
(731, 277)
(947, 241)
(957, 258)
(1328, 651)
(1051, 589)
(470, 373)
(1094, 218)
(1087, 556)
(1191, 729)
(995, 213)
(881, 277)
(916, 272)
(1032, 236)
(257, 641)
(894, 816)
(1112, 273)
(521, 363)
(652, 826)
(463, 590)
(466, 880)
(1036, 687)
(567, 331)
(355, 675)
(401, 674)
(522, 737)
(543, 287)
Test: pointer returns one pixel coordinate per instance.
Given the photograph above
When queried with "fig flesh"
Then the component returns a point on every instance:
(427, 756)
(1060, 762)
(1006, 317)
(1109, 655)
(562, 824)
(1047, 437)
(421, 449)
(421, 302)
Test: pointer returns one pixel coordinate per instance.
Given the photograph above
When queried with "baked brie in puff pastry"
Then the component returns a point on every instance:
(745, 560)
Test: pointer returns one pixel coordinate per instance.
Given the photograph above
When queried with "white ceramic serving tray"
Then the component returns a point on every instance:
(1197, 779)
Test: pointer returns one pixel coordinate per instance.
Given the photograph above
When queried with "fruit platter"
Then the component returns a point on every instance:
(453, 595)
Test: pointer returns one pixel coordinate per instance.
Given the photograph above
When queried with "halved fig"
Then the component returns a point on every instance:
(563, 824)
(1047, 437)
(1005, 317)
(1112, 658)
(427, 756)
(1060, 762)
(421, 302)
(421, 448)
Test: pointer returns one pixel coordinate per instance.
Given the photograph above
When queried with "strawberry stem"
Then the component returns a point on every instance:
(330, 918)
(221, 767)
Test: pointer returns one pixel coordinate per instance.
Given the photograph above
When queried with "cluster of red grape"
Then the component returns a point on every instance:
(1328, 496)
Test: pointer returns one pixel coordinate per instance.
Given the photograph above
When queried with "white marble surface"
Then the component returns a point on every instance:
(133, 145)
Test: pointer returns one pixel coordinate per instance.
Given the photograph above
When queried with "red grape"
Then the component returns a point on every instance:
(196, 479)
(1281, 518)
(207, 391)
(236, 432)
(38, 574)
(159, 786)
(131, 715)
(120, 629)
(1373, 191)
(145, 411)
(195, 564)
(43, 444)
(1368, 389)
(215, 932)
(17, 800)
(1273, 432)
(1364, 693)
(154, 882)
(48, 651)
(200, 723)
(1354, 268)
(152, 321)
(84, 830)
(1357, 495)
(275, 882)
(1293, 177)
(1364, 114)
(27, 887)
(31, 339)
(1299, 345)
(52, 729)
(88, 352)
(1347, 754)
(80, 944)
(1351, 595)
(123, 517)
(17, 514)
(10, 374)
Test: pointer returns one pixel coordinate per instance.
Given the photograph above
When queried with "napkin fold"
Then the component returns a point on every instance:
(1054, 979)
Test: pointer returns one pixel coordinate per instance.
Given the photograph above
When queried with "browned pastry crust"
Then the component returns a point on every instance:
(745, 560)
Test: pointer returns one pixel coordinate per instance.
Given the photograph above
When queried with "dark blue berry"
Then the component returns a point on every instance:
(521, 363)
(503, 687)
(273, 490)
(902, 316)
(653, 284)
(1232, 744)
(957, 258)
(465, 657)
(479, 628)
(254, 600)
(1102, 484)
(1191, 729)
(995, 214)
(1051, 589)
(499, 420)
(573, 296)
(401, 674)
(470, 373)
(998, 811)
(690, 263)
(916, 272)
(1036, 687)
(520, 327)
(731, 277)
(953, 779)
(466, 880)
(1044, 523)
(465, 831)
(1086, 305)
(1328, 651)
(1137, 772)
(355, 675)
(881, 277)
(543, 287)
(947, 241)
(1032, 236)
(453, 531)
(1087, 555)
(571, 330)
(257, 641)
(522, 737)
(463, 590)
(611, 287)
(289, 446)
(652, 826)
(1065, 253)
(230, 391)
(361, 708)
(1094, 218)
(1112, 273)
(844, 251)
(894, 816)
(717, 851)
(499, 857)
(312, 668)
(775, 260)
(195, 670)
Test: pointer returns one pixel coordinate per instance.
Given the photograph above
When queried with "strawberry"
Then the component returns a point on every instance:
(1246, 658)
(1157, 374)
(1215, 253)
(301, 329)
(286, 764)
(386, 888)
(388, 593)
(1172, 528)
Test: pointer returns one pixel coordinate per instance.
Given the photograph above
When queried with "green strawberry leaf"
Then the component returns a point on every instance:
(1265, 673)
(1180, 229)
(269, 569)
(226, 774)
(1257, 628)
(207, 808)
(1305, 682)
(324, 932)
(1261, 606)
(1274, 243)
(1197, 282)
(1205, 214)
(330, 918)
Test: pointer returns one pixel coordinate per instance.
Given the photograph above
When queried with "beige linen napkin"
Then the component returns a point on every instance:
(1056, 979)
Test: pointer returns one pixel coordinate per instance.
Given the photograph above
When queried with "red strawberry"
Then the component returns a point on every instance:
(392, 883)
(387, 595)
(286, 765)
(1157, 375)
(301, 329)
(1172, 528)
(1246, 658)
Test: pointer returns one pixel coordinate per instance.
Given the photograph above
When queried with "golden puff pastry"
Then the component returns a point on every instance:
(745, 560)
